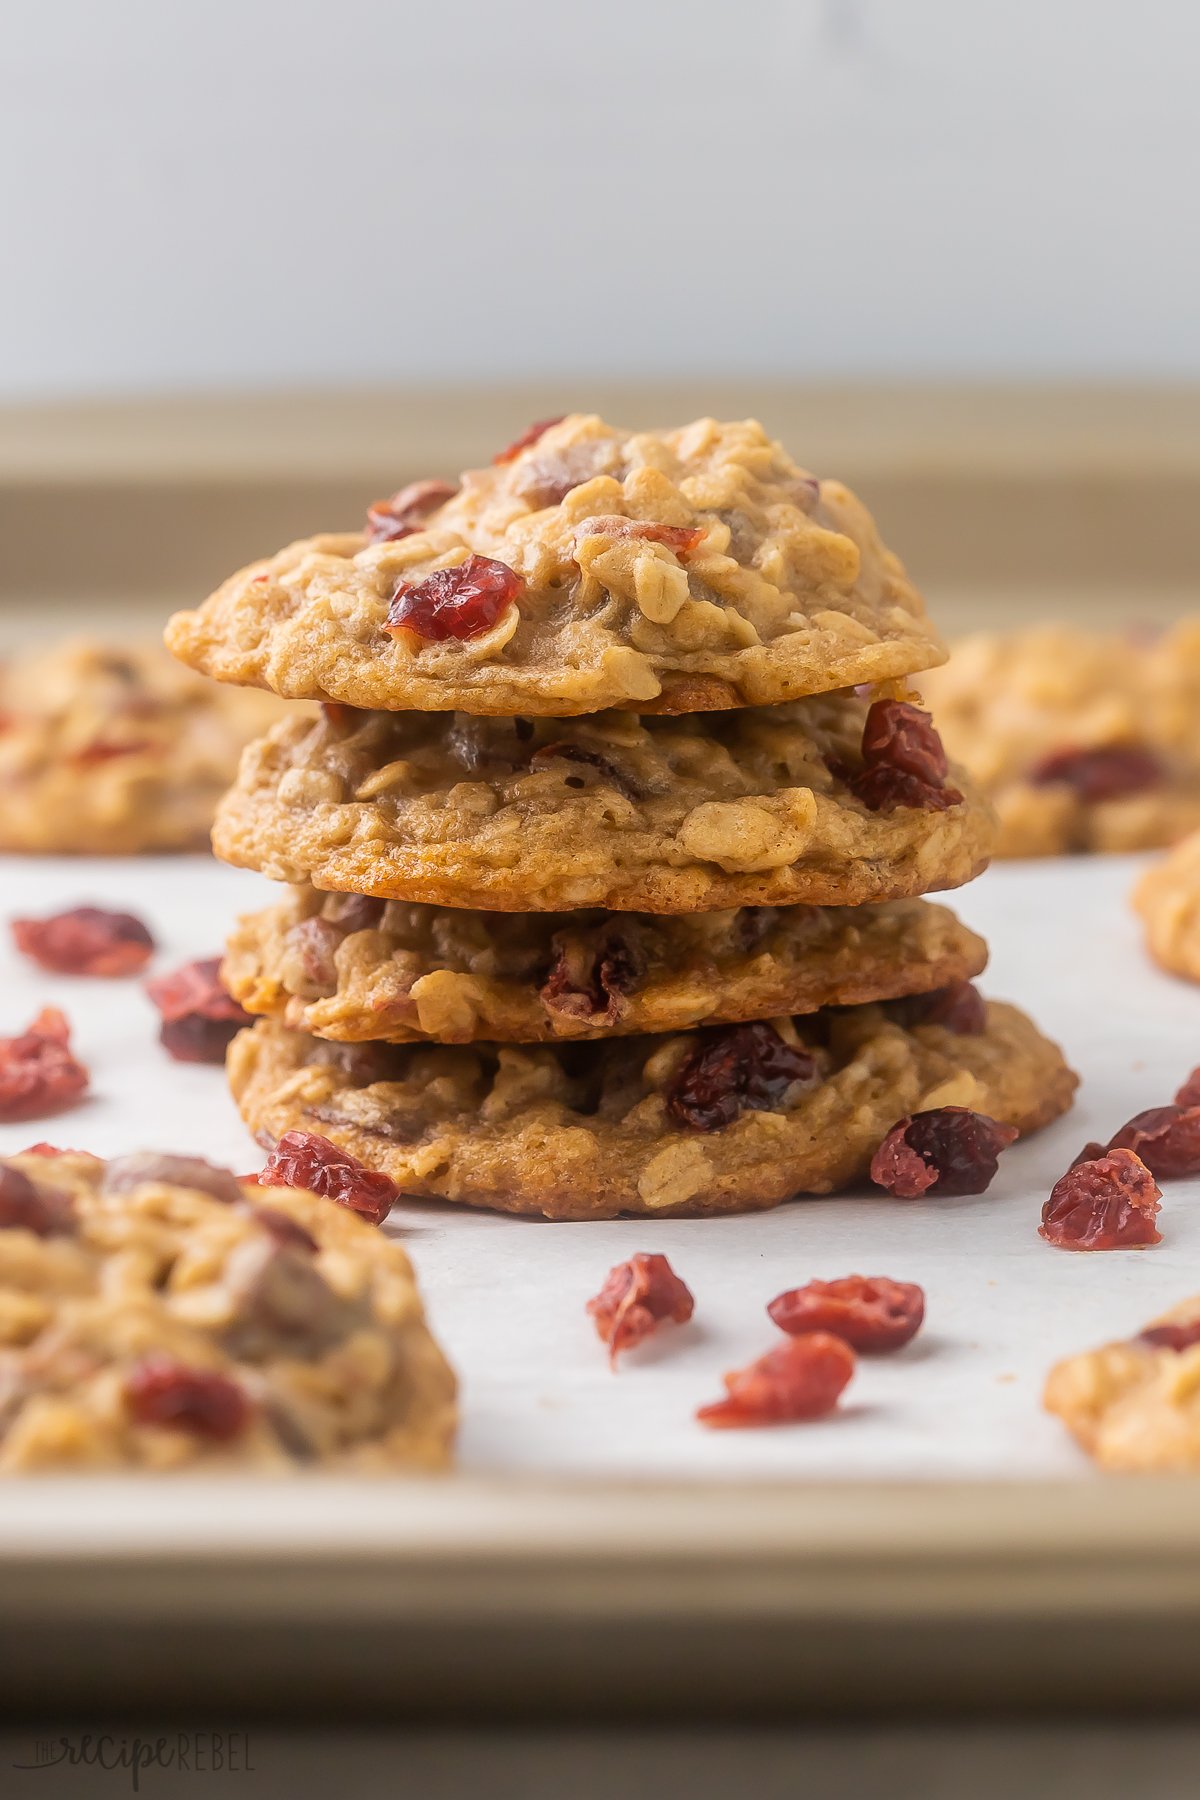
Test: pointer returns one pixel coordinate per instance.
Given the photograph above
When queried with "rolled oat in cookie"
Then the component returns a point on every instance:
(759, 807)
(354, 969)
(585, 568)
(112, 749)
(1082, 740)
(730, 1119)
(158, 1314)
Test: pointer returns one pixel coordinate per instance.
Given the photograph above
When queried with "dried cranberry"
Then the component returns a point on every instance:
(1189, 1093)
(949, 1148)
(1107, 772)
(1167, 1138)
(547, 479)
(538, 429)
(38, 1074)
(636, 1297)
(200, 1019)
(1108, 1204)
(315, 942)
(590, 982)
(42, 1148)
(1171, 1335)
(868, 1312)
(339, 717)
(284, 1229)
(455, 603)
(754, 923)
(160, 1391)
(903, 761)
(800, 1379)
(576, 753)
(406, 511)
(87, 940)
(102, 750)
(680, 539)
(354, 912)
(957, 1007)
(736, 1069)
(301, 1159)
(26, 1207)
(124, 1173)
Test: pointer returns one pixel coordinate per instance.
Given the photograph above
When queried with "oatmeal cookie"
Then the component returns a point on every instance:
(1168, 900)
(1083, 741)
(686, 569)
(157, 1314)
(111, 750)
(638, 814)
(355, 970)
(1135, 1405)
(734, 1119)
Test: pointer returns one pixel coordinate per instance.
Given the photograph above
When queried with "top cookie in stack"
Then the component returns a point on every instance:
(531, 832)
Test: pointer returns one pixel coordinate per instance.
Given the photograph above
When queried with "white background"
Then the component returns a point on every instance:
(264, 192)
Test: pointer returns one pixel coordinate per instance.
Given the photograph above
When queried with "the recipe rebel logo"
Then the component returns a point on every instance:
(189, 1752)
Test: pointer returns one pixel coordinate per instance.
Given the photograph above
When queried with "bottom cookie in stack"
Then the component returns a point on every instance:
(726, 1119)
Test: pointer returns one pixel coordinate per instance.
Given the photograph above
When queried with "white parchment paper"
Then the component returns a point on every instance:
(507, 1296)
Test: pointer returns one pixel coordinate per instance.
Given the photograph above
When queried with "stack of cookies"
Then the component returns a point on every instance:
(606, 851)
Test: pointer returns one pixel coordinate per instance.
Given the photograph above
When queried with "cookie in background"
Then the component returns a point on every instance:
(112, 749)
(1082, 740)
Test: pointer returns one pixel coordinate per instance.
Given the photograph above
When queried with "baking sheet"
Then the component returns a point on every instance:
(507, 1296)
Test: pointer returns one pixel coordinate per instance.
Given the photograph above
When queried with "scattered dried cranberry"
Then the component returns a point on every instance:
(1171, 1335)
(1189, 1093)
(547, 479)
(38, 1074)
(301, 1159)
(680, 539)
(42, 1148)
(904, 763)
(406, 511)
(200, 1020)
(159, 1391)
(636, 1297)
(284, 1229)
(1107, 772)
(958, 1007)
(736, 1069)
(455, 603)
(800, 1379)
(949, 1148)
(1108, 1204)
(1167, 1138)
(87, 940)
(589, 982)
(868, 1312)
(538, 429)
(26, 1207)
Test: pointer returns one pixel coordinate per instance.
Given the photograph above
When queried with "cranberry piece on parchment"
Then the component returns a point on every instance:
(1110, 1203)
(38, 1073)
(801, 1379)
(871, 1313)
(86, 940)
(948, 1151)
(636, 1298)
(302, 1159)
(199, 1018)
